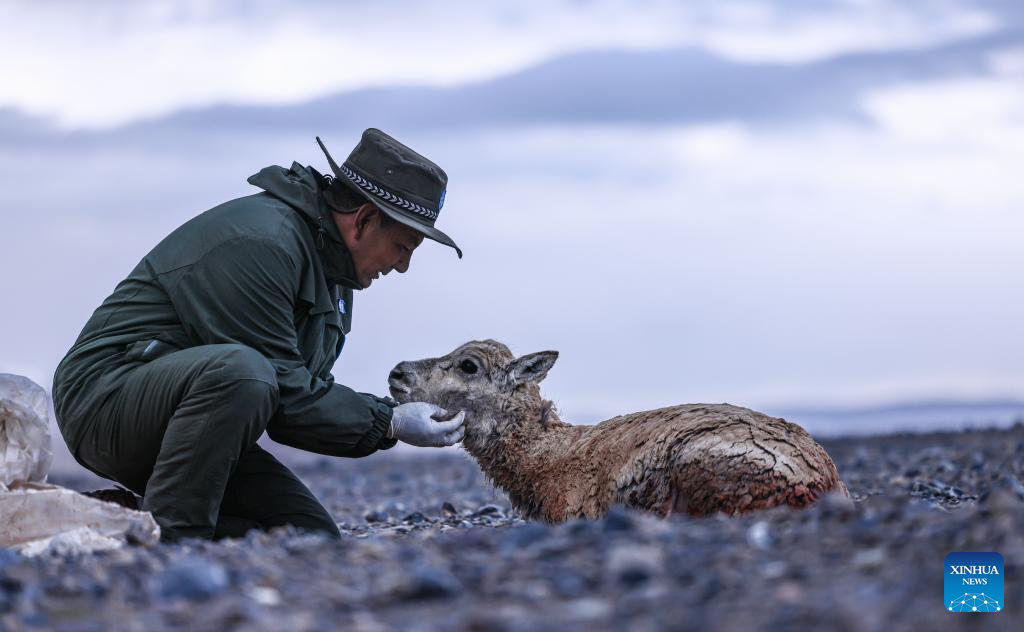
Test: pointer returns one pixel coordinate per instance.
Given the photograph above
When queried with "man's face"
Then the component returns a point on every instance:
(377, 250)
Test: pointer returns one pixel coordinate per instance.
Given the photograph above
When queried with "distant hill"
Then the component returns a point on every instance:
(920, 416)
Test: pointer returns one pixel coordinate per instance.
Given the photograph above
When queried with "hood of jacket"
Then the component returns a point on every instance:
(301, 188)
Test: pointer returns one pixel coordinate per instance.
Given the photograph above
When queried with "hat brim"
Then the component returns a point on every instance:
(404, 218)
(400, 216)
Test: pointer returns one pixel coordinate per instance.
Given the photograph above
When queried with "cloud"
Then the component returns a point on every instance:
(102, 64)
(612, 87)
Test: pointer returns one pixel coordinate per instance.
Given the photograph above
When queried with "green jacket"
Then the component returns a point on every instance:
(269, 271)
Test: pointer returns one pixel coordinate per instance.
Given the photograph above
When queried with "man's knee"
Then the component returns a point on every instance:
(233, 362)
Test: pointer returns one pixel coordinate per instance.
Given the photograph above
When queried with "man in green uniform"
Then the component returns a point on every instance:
(230, 326)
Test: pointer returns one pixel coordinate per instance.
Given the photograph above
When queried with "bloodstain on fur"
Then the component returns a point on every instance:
(698, 459)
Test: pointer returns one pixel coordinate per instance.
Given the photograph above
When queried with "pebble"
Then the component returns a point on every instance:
(527, 535)
(191, 578)
(265, 596)
(8, 558)
(428, 583)
(772, 570)
(759, 535)
(836, 505)
(618, 520)
(631, 565)
(588, 609)
(869, 559)
(568, 585)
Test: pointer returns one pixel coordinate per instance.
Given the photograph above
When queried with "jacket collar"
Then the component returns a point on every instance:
(339, 268)
(302, 189)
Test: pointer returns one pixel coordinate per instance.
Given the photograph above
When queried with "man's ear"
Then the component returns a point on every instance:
(532, 367)
(366, 215)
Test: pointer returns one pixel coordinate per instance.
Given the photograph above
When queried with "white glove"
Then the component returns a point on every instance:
(413, 423)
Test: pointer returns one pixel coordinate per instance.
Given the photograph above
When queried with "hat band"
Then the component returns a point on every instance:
(386, 195)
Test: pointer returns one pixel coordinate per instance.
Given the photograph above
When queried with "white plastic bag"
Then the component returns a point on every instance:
(36, 517)
(24, 431)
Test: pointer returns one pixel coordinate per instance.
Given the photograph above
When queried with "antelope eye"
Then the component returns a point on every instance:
(468, 366)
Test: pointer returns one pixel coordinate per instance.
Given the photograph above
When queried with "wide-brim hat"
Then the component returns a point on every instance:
(403, 184)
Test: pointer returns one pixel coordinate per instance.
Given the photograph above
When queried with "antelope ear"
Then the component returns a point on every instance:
(532, 367)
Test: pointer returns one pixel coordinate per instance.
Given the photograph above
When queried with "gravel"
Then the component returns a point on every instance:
(429, 544)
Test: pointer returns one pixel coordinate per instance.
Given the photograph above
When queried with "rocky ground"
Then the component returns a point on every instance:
(429, 545)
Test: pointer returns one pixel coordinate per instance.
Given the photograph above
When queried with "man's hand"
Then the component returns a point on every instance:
(414, 423)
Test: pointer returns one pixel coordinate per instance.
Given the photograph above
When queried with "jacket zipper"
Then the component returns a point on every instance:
(320, 231)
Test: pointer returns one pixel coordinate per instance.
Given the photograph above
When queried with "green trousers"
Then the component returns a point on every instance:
(181, 432)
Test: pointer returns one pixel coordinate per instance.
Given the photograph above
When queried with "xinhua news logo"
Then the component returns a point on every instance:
(974, 582)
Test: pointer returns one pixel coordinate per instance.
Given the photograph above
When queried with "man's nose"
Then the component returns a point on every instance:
(403, 263)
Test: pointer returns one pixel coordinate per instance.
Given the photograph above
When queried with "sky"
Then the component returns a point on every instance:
(781, 204)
